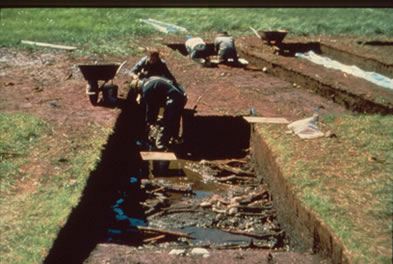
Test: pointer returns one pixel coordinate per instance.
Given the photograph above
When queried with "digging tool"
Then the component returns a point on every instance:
(256, 33)
(196, 104)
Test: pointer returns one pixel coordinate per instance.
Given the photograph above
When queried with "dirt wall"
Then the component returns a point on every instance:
(303, 226)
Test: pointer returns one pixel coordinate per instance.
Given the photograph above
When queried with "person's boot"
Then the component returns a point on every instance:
(161, 141)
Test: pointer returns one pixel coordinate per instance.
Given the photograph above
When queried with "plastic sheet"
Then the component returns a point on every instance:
(373, 77)
(306, 128)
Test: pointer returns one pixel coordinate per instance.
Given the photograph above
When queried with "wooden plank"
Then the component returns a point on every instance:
(271, 120)
(162, 231)
(151, 155)
(48, 45)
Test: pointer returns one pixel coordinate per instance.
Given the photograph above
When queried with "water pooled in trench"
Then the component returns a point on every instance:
(187, 198)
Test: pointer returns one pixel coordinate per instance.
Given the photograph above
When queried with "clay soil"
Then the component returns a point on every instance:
(47, 83)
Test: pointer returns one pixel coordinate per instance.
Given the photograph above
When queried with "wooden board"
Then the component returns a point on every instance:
(42, 44)
(271, 120)
(151, 155)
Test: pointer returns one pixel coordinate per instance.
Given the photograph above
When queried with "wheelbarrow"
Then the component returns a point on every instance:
(100, 72)
(273, 37)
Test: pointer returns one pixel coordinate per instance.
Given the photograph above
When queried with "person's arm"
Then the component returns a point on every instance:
(216, 45)
(138, 68)
(167, 74)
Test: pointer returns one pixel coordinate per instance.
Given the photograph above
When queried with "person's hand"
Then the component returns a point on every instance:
(134, 76)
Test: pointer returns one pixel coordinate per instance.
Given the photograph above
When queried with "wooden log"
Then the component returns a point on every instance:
(235, 170)
(232, 178)
(162, 231)
(42, 44)
(251, 198)
(153, 239)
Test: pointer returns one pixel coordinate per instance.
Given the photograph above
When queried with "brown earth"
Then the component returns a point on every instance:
(47, 83)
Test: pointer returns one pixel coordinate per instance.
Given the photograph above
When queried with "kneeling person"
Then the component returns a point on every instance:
(159, 92)
(224, 45)
(196, 48)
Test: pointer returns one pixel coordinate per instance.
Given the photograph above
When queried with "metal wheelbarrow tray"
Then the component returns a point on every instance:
(275, 37)
(98, 72)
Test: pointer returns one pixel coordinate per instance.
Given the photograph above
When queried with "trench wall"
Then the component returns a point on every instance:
(303, 226)
(368, 64)
(338, 95)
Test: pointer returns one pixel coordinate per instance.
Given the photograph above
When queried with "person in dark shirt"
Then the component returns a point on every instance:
(159, 92)
(152, 65)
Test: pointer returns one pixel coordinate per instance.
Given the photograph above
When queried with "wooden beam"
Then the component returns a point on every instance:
(151, 155)
(271, 120)
(42, 44)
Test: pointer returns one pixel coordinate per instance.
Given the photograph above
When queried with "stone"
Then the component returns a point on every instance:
(200, 251)
(177, 252)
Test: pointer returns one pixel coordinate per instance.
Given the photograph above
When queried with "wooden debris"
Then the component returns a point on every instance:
(153, 239)
(158, 189)
(162, 231)
(250, 198)
(42, 44)
(264, 214)
(233, 178)
(235, 170)
(167, 187)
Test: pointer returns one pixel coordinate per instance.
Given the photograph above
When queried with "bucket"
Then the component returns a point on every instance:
(109, 93)
(160, 167)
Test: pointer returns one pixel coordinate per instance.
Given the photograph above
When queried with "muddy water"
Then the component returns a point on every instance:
(184, 196)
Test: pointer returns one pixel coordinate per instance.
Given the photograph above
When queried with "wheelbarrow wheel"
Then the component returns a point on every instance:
(93, 97)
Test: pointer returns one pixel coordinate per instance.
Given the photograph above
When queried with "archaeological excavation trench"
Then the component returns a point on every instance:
(281, 61)
(213, 195)
(209, 197)
(355, 94)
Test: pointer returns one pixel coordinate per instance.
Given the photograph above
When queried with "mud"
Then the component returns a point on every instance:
(48, 84)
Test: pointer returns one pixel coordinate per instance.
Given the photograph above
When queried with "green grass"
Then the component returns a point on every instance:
(18, 134)
(116, 30)
(347, 180)
(34, 208)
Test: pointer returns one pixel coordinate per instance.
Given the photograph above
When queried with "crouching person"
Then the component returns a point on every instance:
(197, 49)
(224, 45)
(157, 92)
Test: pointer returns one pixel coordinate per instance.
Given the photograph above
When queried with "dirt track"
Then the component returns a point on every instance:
(48, 84)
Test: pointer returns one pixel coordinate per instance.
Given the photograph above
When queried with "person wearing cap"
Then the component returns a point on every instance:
(196, 48)
(224, 45)
(159, 92)
(152, 65)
